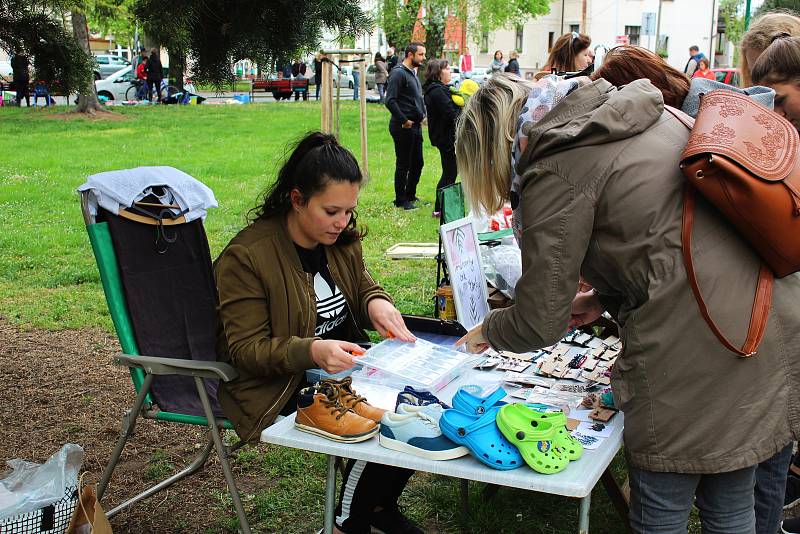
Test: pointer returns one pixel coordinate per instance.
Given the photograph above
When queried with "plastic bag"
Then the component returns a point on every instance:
(32, 486)
(503, 267)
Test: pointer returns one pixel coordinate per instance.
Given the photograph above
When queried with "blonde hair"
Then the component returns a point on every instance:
(484, 139)
(761, 34)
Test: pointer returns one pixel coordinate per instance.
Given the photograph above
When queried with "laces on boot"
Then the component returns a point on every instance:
(345, 387)
(332, 399)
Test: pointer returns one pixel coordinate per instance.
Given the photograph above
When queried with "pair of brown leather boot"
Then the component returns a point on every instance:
(333, 410)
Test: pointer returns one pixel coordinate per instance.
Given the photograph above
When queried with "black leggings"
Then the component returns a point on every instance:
(449, 170)
(154, 87)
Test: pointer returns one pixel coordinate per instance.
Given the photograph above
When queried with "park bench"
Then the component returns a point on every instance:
(281, 88)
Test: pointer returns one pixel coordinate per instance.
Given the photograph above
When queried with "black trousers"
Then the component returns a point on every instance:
(449, 170)
(409, 163)
(153, 88)
(21, 87)
(365, 487)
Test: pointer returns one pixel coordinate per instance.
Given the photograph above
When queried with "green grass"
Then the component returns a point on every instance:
(47, 273)
(48, 277)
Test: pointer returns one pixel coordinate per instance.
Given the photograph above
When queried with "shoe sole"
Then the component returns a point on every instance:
(354, 438)
(402, 446)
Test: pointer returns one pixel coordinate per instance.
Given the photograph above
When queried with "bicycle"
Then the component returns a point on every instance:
(139, 90)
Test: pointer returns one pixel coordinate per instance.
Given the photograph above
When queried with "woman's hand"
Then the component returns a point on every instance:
(474, 340)
(387, 320)
(334, 356)
(586, 308)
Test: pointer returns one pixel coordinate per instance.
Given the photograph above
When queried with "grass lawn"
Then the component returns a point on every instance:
(48, 277)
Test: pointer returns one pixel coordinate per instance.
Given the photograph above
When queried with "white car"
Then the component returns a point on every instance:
(6, 72)
(455, 77)
(344, 79)
(115, 86)
(478, 74)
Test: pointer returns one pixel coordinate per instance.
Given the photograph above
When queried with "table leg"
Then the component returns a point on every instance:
(583, 514)
(330, 495)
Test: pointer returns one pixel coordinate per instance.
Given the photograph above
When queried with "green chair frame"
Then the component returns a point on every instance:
(143, 368)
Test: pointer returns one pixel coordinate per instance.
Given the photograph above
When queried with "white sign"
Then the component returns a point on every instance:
(463, 258)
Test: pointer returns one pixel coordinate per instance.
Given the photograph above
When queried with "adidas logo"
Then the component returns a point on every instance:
(330, 301)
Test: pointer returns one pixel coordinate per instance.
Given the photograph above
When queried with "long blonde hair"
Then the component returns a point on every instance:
(484, 138)
(761, 34)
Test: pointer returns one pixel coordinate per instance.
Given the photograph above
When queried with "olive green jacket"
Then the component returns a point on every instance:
(602, 198)
(267, 315)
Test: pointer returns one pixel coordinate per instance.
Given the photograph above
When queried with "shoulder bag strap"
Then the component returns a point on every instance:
(763, 296)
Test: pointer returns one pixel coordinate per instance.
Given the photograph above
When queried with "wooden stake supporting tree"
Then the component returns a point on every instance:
(329, 113)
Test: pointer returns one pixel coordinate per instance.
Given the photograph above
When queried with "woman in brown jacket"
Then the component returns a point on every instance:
(597, 191)
(294, 294)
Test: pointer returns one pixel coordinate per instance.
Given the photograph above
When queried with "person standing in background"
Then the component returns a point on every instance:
(513, 63)
(391, 58)
(21, 77)
(381, 75)
(155, 73)
(695, 55)
(497, 63)
(466, 61)
(318, 71)
(356, 78)
(570, 53)
(405, 102)
(442, 115)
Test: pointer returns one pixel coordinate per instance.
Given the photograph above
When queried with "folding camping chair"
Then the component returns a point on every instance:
(162, 300)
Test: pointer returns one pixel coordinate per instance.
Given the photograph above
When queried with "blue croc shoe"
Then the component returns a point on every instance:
(468, 401)
(479, 433)
(415, 397)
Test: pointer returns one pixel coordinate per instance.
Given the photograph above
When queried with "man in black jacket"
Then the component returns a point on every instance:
(405, 102)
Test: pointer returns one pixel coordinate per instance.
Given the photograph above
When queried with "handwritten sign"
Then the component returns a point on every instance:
(463, 259)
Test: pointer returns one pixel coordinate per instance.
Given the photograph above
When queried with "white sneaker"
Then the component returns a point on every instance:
(418, 434)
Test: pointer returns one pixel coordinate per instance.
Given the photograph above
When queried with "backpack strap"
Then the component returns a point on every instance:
(761, 302)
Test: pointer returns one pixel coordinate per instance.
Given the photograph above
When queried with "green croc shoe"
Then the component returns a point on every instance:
(570, 447)
(532, 437)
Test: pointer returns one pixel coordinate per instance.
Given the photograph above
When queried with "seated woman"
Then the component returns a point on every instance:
(596, 187)
(294, 294)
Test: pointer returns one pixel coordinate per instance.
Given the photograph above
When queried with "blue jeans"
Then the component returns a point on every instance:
(381, 90)
(769, 491)
(661, 502)
(356, 84)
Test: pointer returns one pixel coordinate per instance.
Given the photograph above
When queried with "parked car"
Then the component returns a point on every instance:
(478, 74)
(344, 78)
(116, 85)
(728, 75)
(455, 77)
(108, 64)
(371, 77)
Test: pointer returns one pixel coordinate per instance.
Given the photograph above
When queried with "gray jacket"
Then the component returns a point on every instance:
(602, 198)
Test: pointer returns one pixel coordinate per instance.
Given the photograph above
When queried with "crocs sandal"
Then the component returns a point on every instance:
(467, 401)
(533, 439)
(481, 436)
(563, 440)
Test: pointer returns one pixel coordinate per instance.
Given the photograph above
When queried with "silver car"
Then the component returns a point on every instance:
(108, 64)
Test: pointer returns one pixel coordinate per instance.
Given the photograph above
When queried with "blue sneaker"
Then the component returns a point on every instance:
(418, 434)
(411, 396)
(434, 411)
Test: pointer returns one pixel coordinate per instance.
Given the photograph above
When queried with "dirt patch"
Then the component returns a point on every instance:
(61, 387)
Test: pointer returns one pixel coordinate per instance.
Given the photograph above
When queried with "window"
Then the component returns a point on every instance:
(633, 34)
(518, 39)
(550, 37)
(484, 42)
(101, 60)
(575, 28)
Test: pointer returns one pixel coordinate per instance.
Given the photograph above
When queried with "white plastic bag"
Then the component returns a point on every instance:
(32, 486)
(503, 267)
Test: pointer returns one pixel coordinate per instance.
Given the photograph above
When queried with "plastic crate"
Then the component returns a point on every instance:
(52, 519)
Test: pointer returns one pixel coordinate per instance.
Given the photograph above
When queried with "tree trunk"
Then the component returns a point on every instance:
(177, 67)
(88, 94)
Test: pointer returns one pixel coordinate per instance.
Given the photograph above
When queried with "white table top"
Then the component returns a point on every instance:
(577, 480)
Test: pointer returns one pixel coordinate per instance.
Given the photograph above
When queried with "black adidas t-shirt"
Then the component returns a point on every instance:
(331, 305)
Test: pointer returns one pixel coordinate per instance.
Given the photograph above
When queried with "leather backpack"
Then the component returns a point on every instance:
(742, 157)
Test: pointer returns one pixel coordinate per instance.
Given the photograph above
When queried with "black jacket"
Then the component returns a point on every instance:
(404, 96)
(442, 114)
(155, 72)
(317, 72)
(513, 66)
